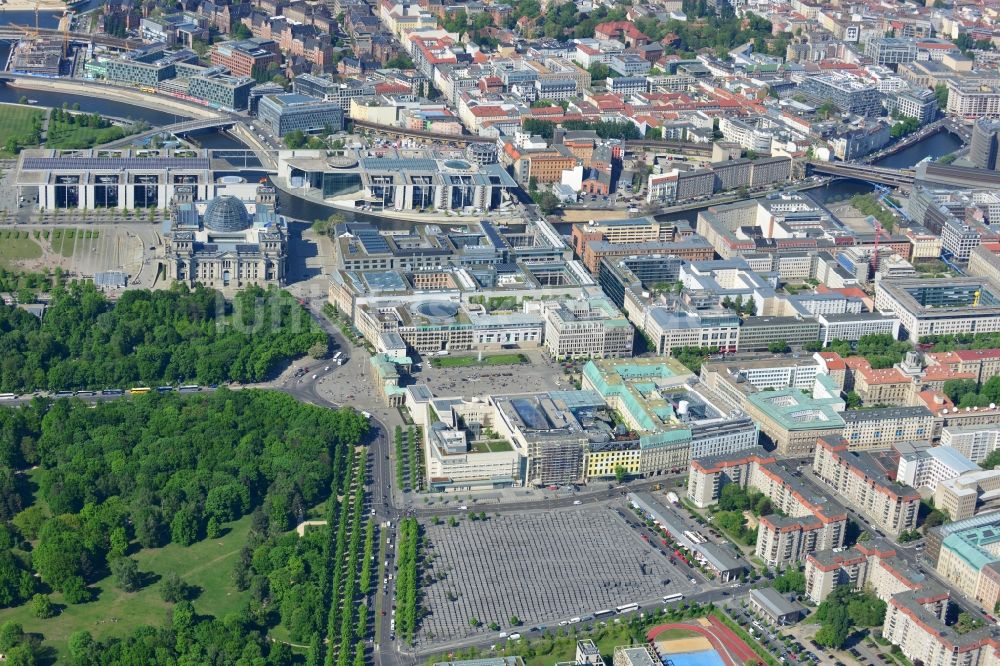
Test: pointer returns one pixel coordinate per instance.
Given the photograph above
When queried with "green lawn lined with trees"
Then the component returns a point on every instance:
(20, 126)
(153, 337)
(81, 130)
(953, 341)
(202, 569)
(118, 481)
(881, 349)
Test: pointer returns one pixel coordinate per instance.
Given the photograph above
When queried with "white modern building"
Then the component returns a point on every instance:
(973, 442)
(851, 326)
(923, 466)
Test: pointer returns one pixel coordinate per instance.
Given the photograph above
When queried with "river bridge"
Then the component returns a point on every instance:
(901, 178)
(12, 31)
(180, 128)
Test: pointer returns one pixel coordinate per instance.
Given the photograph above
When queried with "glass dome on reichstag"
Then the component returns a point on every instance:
(226, 214)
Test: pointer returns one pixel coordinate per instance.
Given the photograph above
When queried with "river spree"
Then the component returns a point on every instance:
(934, 146)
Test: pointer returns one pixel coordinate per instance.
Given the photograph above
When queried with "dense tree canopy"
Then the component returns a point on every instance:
(843, 611)
(159, 468)
(881, 349)
(150, 337)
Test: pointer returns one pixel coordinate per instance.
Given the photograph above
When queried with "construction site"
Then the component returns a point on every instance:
(41, 55)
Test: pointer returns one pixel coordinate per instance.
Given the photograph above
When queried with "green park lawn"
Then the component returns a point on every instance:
(563, 648)
(469, 361)
(17, 246)
(16, 120)
(64, 241)
(206, 565)
(491, 446)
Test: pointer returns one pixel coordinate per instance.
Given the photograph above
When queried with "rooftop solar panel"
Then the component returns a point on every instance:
(114, 163)
(373, 241)
(396, 164)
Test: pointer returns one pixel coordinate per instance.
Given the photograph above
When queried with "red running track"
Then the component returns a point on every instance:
(730, 647)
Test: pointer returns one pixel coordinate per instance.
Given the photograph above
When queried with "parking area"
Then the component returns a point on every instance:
(788, 649)
(544, 567)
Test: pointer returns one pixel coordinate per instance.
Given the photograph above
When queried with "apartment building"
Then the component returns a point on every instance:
(857, 477)
(974, 442)
(916, 606)
(871, 564)
(826, 569)
(783, 540)
(915, 622)
(882, 428)
(848, 93)
(973, 99)
(808, 523)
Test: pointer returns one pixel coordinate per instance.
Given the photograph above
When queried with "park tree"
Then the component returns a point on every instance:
(173, 588)
(42, 607)
(295, 139)
(81, 647)
(184, 527)
(16, 583)
(125, 572)
(11, 633)
(183, 616)
(61, 558)
(119, 542)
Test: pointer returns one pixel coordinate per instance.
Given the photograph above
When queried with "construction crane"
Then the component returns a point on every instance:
(64, 25)
(878, 234)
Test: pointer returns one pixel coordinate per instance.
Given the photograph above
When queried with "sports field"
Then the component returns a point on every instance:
(702, 642)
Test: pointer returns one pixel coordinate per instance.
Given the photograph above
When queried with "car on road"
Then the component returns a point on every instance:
(577, 502)
(463, 507)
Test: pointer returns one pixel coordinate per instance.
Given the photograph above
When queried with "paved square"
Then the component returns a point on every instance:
(542, 566)
(541, 373)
